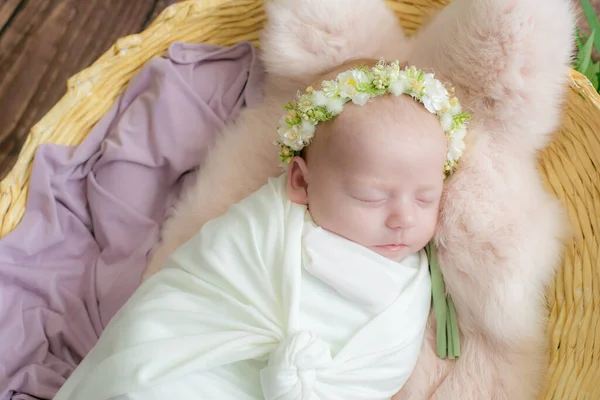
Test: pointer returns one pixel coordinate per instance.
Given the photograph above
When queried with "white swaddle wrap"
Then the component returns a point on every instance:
(263, 304)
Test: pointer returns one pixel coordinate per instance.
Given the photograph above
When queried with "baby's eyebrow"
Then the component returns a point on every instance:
(358, 184)
(368, 182)
(370, 187)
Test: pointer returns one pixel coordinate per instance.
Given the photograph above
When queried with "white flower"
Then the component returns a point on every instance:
(399, 86)
(386, 74)
(455, 151)
(446, 120)
(304, 102)
(456, 143)
(335, 106)
(290, 135)
(291, 138)
(460, 132)
(360, 99)
(307, 131)
(283, 125)
(392, 71)
(348, 82)
(410, 72)
(435, 95)
(330, 88)
(415, 87)
(319, 98)
(454, 105)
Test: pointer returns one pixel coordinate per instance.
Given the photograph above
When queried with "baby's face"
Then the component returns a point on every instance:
(374, 175)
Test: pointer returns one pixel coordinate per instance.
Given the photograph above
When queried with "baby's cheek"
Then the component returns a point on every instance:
(432, 219)
(368, 225)
(337, 216)
(351, 222)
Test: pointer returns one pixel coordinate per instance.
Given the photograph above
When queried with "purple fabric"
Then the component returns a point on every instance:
(94, 211)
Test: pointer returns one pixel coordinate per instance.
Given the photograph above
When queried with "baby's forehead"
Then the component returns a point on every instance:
(384, 116)
(370, 134)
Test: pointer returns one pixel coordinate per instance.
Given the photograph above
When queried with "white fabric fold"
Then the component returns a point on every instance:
(354, 271)
(228, 318)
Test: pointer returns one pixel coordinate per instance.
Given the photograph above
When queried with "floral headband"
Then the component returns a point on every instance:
(297, 128)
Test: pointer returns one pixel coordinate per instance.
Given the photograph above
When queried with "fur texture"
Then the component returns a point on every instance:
(500, 234)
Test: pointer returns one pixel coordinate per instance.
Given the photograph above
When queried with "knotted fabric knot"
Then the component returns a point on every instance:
(291, 372)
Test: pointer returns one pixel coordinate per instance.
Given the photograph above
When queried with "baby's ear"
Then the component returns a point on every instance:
(305, 38)
(297, 183)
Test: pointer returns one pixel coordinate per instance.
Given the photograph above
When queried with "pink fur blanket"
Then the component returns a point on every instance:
(500, 234)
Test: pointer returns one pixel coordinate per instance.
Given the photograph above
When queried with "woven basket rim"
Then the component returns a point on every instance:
(570, 373)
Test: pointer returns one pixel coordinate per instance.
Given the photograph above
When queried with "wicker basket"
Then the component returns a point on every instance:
(570, 165)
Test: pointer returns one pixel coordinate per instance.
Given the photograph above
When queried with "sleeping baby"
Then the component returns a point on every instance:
(316, 286)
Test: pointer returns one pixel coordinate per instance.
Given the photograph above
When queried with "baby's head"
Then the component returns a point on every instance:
(374, 174)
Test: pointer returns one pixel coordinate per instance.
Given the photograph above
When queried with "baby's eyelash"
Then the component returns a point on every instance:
(373, 201)
(426, 201)
(370, 201)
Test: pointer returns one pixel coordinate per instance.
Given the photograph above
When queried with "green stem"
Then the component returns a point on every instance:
(439, 301)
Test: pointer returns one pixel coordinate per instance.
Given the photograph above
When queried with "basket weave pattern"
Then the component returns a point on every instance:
(569, 166)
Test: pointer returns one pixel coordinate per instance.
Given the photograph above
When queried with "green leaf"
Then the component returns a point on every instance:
(592, 19)
(580, 38)
(592, 73)
(585, 55)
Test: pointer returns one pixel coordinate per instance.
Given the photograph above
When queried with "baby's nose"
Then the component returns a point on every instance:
(401, 218)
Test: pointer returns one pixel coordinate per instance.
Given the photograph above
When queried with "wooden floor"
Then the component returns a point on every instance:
(43, 43)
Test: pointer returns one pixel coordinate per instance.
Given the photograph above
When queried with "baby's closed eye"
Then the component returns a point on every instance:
(370, 200)
(428, 198)
(371, 197)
